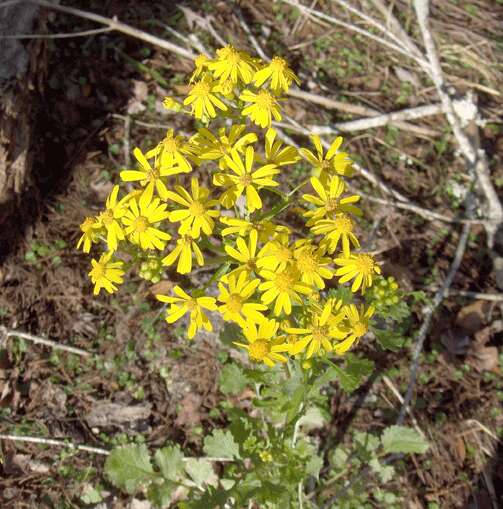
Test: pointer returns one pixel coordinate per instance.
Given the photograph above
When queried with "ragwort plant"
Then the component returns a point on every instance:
(214, 199)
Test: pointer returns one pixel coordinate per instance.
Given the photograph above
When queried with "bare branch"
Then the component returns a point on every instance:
(69, 35)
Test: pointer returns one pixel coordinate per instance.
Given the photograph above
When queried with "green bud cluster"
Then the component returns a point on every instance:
(151, 269)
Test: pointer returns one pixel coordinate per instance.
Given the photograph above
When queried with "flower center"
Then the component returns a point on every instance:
(343, 223)
(264, 100)
(196, 208)
(187, 239)
(235, 303)
(332, 204)
(251, 264)
(191, 304)
(107, 217)
(232, 56)
(141, 224)
(291, 339)
(259, 350)
(99, 271)
(326, 165)
(285, 280)
(365, 264)
(320, 332)
(307, 262)
(283, 253)
(279, 64)
(246, 179)
(87, 224)
(359, 329)
(170, 145)
(152, 174)
(201, 89)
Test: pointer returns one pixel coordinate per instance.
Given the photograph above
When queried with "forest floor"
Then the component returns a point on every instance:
(103, 96)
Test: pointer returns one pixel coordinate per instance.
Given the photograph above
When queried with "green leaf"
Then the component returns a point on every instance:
(229, 333)
(160, 494)
(313, 466)
(232, 379)
(389, 340)
(397, 439)
(348, 382)
(129, 466)
(201, 471)
(359, 368)
(170, 461)
(221, 444)
(385, 472)
(91, 496)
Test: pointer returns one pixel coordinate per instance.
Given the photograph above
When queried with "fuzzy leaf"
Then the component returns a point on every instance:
(201, 471)
(232, 379)
(170, 461)
(129, 466)
(221, 444)
(396, 439)
(389, 340)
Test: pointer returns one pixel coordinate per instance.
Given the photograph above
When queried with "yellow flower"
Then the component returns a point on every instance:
(171, 104)
(334, 230)
(105, 273)
(211, 147)
(329, 201)
(265, 229)
(171, 154)
(235, 306)
(361, 267)
(201, 62)
(277, 254)
(183, 303)
(232, 65)
(140, 218)
(283, 287)
(333, 161)
(262, 109)
(196, 215)
(313, 267)
(203, 99)
(109, 219)
(276, 153)
(246, 255)
(358, 326)
(89, 228)
(244, 180)
(280, 74)
(261, 347)
(146, 174)
(183, 252)
(320, 332)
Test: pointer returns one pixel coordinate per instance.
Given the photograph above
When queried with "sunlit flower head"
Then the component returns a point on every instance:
(277, 153)
(332, 162)
(201, 63)
(279, 73)
(313, 266)
(89, 228)
(172, 154)
(263, 108)
(106, 273)
(232, 65)
(266, 230)
(335, 230)
(360, 267)
(245, 254)
(203, 100)
(185, 246)
(110, 219)
(182, 303)
(358, 321)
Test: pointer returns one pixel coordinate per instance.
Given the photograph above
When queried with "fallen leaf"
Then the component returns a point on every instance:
(472, 317)
(161, 288)
(484, 358)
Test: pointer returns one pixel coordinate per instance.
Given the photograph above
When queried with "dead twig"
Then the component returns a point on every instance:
(8, 333)
(84, 33)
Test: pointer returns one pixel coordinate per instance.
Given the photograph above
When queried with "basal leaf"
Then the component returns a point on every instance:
(170, 461)
(400, 439)
(232, 379)
(221, 444)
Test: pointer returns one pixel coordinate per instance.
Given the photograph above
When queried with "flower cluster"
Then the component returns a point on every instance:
(215, 199)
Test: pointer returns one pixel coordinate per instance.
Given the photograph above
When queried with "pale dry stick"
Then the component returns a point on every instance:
(476, 158)
(87, 448)
(68, 35)
(8, 333)
(301, 20)
(378, 120)
(244, 25)
(491, 297)
(423, 330)
(354, 28)
(398, 396)
(112, 23)
(127, 142)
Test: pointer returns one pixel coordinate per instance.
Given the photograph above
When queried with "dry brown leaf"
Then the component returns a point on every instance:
(484, 358)
(161, 288)
(472, 317)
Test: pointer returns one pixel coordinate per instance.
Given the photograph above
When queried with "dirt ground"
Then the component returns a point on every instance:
(102, 97)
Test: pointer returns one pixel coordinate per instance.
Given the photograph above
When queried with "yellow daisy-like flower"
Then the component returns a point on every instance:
(263, 108)
(329, 201)
(320, 332)
(276, 153)
(140, 218)
(232, 65)
(332, 162)
(358, 326)
(313, 266)
(266, 230)
(109, 219)
(280, 74)
(105, 273)
(277, 254)
(172, 154)
(335, 230)
(211, 147)
(183, 252)
(283, 287)
(203, 99)
(183, 303)
(89, 229)
(235, 306)
(261, 347)
(201, 63)
(245, 179)
(246, 255)
(146, 174)
(196, 215)
(361, 267)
